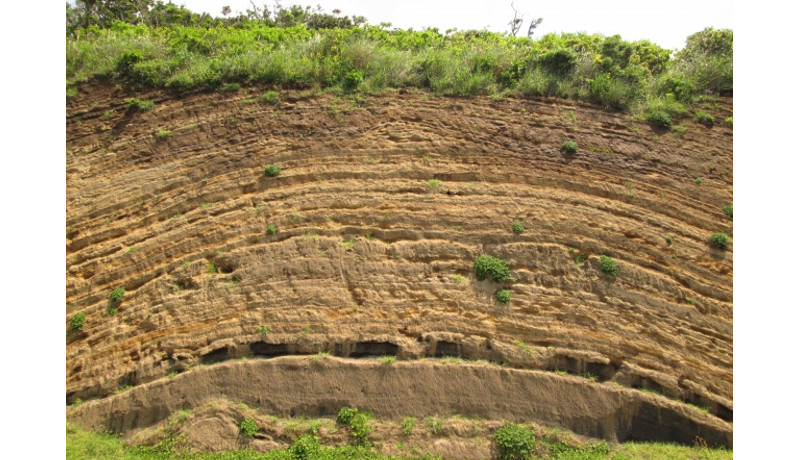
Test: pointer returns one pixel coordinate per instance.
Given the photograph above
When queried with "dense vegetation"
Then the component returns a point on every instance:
(508, 443)
(165, 46)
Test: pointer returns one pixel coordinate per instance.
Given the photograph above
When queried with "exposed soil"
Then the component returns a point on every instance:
(152, 212)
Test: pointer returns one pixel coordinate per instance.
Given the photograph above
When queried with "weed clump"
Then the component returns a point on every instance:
(517, 227)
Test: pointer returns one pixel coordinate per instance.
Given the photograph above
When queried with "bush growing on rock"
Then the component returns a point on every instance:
(77, 321)
(503, 296)
(517, 227)
(117, 295)
(728, 210)
(719, 240)
(569, 147)
(272, 170)
(608, 266)
(248, 427)
(493, 268)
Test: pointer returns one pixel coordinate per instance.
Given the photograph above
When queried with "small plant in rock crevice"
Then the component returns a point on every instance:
(517, 227)
(117, 295)
(728, 210)
(608, 266)
(719, 240)
(272, 171)
(77, 321)
(569, 148)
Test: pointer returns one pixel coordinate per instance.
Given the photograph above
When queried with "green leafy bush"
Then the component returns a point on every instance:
(272, 170)
(306, 447)
(559, 61)
(569, 147)
(345, 415)
(728, 210)
(117, 295)
(513, 442)
(491, 267)
(248, 427)
(360, 429)
(503, 296)
(352, 80)
(608, 266)
(517, 227)
(719, 240)
(659, 118)
(271, 229)
(77, 321)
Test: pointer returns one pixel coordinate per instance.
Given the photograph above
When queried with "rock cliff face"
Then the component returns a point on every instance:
(363, 246)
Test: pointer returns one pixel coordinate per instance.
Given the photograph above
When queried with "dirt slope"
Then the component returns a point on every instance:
(179, 219)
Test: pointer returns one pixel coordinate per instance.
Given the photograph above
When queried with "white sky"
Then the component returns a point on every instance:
(664, 22)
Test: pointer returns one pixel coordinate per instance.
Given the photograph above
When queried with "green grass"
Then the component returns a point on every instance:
(527, 349)
(135, 104)
(433, 184)
(163, 134)
(271, 97)
(271, 229)
(388, 359)
(87, 445)
(607, 71)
